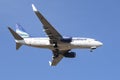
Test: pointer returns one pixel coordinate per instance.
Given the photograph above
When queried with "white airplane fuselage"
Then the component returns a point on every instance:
(84, 43)
(59, 45)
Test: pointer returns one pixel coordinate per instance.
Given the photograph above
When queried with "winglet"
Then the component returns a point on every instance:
(50, 63)
(34, 8)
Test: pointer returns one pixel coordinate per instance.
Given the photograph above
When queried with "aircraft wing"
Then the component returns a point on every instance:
(56, 60)
(52, 33)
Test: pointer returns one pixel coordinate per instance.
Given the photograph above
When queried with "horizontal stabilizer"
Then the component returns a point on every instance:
(18, 45)
(15, 35)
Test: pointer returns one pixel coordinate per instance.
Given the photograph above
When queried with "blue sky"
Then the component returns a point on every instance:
(99, 19)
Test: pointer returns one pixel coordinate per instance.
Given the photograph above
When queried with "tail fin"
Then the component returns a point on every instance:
(17, 37)
(20, 30)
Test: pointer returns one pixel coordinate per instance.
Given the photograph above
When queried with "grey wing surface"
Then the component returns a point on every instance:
(52, 33)
(56, 60)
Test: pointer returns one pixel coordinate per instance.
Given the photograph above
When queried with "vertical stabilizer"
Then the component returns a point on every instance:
(21, 31)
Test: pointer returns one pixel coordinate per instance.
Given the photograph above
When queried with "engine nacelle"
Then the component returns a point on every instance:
(66, 39)
(70, 55)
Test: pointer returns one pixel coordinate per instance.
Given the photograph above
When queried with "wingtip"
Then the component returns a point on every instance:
(50, 63)
(9, 28)
(34, 8)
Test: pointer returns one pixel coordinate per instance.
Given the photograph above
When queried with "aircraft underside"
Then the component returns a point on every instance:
(59, 45)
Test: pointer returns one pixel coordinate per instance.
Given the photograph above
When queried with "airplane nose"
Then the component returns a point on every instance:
(100, 43)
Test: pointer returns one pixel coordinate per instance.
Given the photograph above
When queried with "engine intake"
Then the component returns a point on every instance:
(70, 55)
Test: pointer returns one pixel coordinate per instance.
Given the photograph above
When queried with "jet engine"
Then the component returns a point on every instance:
(66, 39)
(70, 55)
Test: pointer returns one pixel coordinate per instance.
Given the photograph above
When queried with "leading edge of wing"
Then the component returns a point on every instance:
(52, 33)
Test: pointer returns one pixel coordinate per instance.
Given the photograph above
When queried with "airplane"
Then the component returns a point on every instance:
(59, 45)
